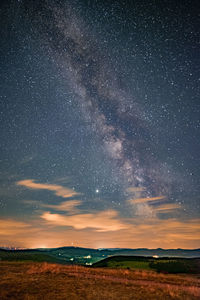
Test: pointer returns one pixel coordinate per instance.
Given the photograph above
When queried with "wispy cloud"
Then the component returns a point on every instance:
(57, 189)
(145, 200)
(11, 227)
(150, 207)
(68, 206)
(100, 221)
(166, 207)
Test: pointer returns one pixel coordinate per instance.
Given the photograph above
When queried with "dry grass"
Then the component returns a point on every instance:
(52, 281)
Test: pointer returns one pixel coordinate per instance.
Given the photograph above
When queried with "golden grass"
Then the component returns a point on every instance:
(52, 281)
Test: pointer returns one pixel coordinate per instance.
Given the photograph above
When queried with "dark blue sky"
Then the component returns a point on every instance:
(100, 123)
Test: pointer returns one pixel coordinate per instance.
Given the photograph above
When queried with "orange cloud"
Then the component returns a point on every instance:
(145, 200)
(166, 207)
(69, 206)
(142, 207)
(57, 189)
(101, 221)
(12, 227)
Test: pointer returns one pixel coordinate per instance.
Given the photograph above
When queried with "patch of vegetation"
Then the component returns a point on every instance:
(177, 266)
(164, 265)
(143, 265)
(128, 262)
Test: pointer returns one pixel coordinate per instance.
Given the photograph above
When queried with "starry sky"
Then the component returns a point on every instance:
(100, 128)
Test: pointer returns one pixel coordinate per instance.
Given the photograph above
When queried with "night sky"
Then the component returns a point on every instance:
(100, 128)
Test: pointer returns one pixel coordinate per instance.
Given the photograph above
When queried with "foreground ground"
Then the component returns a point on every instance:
(29, 281)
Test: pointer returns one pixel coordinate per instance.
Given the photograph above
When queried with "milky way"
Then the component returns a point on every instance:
(114, 114)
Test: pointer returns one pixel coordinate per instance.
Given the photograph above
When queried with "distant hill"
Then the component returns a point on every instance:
(159, 251)
(27, 255)
(87, 256)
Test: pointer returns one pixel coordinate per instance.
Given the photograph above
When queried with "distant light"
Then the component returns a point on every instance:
(97, 191)
(155, 256)
(88, 256)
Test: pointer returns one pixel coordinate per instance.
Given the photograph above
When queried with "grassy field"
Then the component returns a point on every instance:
(48, 281)
(142, 265)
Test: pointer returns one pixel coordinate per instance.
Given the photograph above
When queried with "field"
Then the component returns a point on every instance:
(34, 280)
